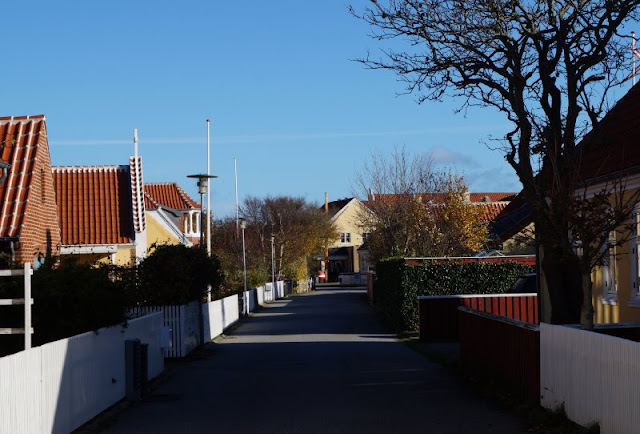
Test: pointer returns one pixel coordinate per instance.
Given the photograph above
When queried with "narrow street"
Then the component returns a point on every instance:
(315, 363)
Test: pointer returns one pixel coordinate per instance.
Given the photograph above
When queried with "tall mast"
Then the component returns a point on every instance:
(235, 168)
(209, 189)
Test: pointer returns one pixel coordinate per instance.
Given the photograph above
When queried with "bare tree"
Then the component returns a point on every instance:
(548, 67)
(416, 209)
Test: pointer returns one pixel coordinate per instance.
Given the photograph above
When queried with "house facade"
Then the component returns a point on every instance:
(610, 159)
(101, 212)
(173, 217)
(343, 255)
(29, 226)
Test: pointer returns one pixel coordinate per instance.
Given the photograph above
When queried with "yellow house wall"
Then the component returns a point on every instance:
(157, 234)
(350, 221)
(123, 256)
(620, 310)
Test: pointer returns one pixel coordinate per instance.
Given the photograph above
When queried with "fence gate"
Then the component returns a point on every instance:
(27, 272)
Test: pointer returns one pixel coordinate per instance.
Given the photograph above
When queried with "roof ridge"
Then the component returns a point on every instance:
(185, 196)
(23, 118)
(89, 168)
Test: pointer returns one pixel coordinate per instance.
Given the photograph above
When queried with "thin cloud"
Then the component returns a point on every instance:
(443, 155)
(261, 138)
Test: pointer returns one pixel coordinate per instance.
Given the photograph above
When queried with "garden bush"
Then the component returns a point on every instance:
(173, 275)
(72, 298)
(398, 285)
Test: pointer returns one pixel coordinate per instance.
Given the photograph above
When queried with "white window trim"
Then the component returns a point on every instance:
(609, 281)
(634, 260)
(345, 237)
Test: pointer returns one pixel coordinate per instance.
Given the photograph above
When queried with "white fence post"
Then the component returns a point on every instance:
(27, 305)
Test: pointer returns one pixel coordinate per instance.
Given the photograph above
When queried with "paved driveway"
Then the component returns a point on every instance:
(315, 363)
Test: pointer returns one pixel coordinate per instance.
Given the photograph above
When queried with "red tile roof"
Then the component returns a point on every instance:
(19, 140)
(167, 195)
(613, 145)
(492, 209)
(492, 197)
(94, 204)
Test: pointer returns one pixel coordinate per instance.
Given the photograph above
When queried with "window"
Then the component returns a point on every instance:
(634, 259)
(610, 285)
(345, 237)
(366, 236)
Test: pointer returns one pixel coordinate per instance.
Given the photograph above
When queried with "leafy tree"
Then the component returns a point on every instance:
(299, 230)
(548, 68)
(227, 245)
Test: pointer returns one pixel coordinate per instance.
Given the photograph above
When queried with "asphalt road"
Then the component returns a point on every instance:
(315, 363)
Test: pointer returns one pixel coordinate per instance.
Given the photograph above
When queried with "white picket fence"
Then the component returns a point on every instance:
(61, 385)
(594, 376)
(217, 315)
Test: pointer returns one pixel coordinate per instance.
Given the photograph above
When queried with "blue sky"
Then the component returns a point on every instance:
(276, 78)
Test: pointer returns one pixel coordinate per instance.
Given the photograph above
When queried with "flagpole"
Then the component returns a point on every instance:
(235, 168)
(209, 189)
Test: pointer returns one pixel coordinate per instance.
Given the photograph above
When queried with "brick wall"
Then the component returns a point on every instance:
(40, 232)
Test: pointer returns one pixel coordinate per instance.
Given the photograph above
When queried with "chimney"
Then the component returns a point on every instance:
(326, 203)
(467, 196)
(372, 197)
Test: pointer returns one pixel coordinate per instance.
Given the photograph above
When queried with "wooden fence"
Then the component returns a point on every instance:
(592, 376)
(502, 349)
(439, 314)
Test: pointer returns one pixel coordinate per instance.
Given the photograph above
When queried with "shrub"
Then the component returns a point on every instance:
(398, 285)
(175, 274)
(72, 298)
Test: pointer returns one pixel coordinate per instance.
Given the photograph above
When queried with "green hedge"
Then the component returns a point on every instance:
(398, 285)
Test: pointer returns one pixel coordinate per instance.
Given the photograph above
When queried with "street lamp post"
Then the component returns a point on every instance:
(273, 264)
(203, 181)
(243, 226)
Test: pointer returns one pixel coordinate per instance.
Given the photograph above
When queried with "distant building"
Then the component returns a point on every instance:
(174, 216)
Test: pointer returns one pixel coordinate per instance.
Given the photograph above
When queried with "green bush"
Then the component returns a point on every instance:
(72, 298)
(398, 285)
(175, 274)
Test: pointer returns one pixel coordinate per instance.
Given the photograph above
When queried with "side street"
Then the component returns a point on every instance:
(409, 216)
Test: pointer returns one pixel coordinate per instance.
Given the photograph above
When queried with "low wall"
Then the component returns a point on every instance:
(502, 349)
(63, 384)
(592, 375)
(439, 314)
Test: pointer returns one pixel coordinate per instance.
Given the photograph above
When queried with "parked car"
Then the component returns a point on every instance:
(525, 284)
(488, 253)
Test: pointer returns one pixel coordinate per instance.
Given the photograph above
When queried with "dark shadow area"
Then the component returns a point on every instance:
(314, 387)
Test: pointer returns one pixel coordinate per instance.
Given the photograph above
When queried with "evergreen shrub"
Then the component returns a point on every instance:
(398, 285)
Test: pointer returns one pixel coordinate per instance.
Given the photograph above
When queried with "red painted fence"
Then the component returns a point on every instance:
(503, 349)
(439, 315)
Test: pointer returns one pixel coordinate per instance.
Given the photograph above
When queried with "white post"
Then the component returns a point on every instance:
(208, 190)
(273, 262)
(27, 305)
(244, 273)
(235, 168)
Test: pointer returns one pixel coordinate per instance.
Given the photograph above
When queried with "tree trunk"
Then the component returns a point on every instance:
(586, 318)
(564, 283)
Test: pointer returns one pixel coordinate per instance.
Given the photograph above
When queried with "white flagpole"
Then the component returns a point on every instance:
(209, 189)
(235, 168)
